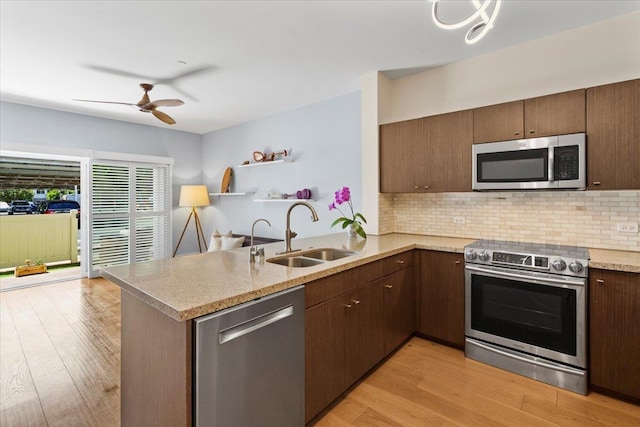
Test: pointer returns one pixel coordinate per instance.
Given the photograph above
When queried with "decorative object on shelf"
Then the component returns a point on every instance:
(226, 180)
(28, 269)
(305, 193)
(193, 196)
(264, 157)
(478, 30)
(352, 224)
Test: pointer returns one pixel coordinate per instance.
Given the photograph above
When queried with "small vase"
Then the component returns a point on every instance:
(351, 231)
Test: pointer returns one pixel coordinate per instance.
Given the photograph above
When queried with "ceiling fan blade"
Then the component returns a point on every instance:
(188, 73)
(104, 102)
(166, 103)
(116, 72)
(164, 117)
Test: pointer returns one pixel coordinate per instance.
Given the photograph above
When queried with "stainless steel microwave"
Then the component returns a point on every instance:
(552, 162)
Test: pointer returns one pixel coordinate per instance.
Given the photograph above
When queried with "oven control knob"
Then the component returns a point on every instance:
(484, 256)
(559, 264)
(471, 254)
(576, 266)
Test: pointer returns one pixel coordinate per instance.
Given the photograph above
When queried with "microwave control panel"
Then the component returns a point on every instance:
(566, 163)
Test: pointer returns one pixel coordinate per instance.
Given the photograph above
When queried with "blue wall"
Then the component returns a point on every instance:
(325, 146)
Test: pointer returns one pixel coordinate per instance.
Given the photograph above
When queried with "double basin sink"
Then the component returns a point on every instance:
(310, 257)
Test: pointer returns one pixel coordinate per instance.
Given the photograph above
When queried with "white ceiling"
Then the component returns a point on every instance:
(244, 59)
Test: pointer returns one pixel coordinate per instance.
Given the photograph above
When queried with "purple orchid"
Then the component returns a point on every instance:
(344, 196)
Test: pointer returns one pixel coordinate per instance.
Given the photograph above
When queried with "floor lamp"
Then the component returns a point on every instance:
(193, 196)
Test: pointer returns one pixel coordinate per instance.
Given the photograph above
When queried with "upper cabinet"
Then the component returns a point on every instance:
(501, 122)
(402, 152)
(613, 136)
(431, 154)
(557, 114)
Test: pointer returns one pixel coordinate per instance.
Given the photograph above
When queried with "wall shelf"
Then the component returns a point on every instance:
(229, 194)
(271, 162)
(284, 200)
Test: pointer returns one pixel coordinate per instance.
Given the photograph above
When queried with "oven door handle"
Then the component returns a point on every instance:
(525, 359)
(556, 282)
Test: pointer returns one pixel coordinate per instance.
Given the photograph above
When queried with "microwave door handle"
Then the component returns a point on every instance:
(551, 163)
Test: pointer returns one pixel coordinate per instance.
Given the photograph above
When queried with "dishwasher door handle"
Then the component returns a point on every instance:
(254, 324)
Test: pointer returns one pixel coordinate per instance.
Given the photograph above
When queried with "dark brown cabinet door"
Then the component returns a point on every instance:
(614, 331)
(399, 308)
(324, 354)
(501, 122)
(613, 136)
(402, 153)
(447, 164)
(557, 114)
(441, 309)
(364, 333)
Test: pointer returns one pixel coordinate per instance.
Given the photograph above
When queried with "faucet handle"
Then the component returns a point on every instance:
(293, 233)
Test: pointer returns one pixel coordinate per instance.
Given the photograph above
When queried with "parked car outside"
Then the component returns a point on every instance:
(4, 207)
(59, 206)
(20, 206)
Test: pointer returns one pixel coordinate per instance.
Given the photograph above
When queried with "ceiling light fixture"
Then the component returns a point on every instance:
(477, 31)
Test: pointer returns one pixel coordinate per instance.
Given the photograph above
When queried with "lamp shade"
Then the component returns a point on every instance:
(194, 195)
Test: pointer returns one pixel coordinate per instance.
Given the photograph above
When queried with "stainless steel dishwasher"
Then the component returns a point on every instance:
(249, 363)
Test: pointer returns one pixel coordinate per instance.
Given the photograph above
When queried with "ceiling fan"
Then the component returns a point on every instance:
(146, 106)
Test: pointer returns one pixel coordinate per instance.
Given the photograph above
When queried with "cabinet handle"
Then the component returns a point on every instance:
(532, 131)
(347, 306)
(388, 286)
(600, 281)
(400, 261)
(355, 301)
(596, 182)
(517, 133)
(426, 187)
(457, 262)
(416, 187)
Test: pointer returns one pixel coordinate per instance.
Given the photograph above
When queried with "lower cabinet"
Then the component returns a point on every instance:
(325, 367)
(349, 333)
(614, 332)
(399, 308)
(441, 314)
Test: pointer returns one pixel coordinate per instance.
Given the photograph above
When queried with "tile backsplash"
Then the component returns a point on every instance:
(582, 218)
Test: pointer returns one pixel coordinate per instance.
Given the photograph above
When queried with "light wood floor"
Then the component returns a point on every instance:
(60, 366)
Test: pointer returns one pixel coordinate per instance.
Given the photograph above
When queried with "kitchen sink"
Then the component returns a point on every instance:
(311, 257)
(328, 254)
(295, 261)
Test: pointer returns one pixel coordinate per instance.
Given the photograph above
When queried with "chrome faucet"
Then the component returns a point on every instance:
(291, 234)
(253, 251)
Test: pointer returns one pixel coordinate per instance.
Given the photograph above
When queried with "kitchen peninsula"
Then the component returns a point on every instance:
(162, 298)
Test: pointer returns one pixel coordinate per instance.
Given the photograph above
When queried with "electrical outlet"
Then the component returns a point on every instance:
(459, 220)
(627, 227)
(401, 218)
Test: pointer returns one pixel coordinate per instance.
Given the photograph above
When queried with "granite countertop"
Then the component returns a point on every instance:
(191, 286)
(615, 260)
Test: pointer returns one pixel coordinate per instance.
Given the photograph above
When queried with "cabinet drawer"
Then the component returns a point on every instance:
(397, 262)
(330, 287)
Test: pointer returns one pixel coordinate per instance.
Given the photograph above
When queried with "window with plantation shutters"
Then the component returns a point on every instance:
(129, 213)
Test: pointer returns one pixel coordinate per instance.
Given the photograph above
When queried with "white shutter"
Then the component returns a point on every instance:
(110, 206)
(152, 213)
(129, 213)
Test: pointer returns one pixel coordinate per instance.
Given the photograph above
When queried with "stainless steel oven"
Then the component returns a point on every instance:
(525, 310)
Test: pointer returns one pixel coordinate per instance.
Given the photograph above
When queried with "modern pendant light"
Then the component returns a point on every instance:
(478, 30)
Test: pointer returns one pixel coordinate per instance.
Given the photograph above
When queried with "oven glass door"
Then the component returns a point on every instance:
(539, 315)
